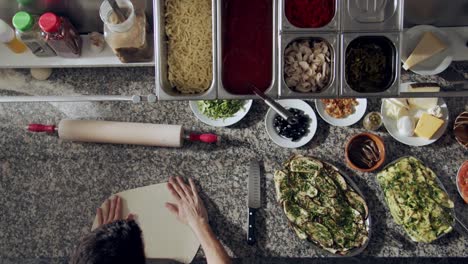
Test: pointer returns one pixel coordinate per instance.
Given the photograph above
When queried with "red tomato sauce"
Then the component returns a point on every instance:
(462, 181)
(247, 45)
(310, 13)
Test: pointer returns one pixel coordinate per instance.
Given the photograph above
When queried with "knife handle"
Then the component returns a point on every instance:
(251, 227)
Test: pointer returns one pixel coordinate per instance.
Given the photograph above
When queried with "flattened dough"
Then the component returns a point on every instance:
(164, 236)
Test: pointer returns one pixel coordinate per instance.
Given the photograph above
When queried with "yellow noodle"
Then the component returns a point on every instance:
(189, 32)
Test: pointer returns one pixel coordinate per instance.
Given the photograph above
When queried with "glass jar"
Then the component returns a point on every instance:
(61, 35)
(28, 31)
(128, 39)
(7, 36)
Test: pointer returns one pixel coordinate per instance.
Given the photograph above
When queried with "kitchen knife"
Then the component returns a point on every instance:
(254, 199)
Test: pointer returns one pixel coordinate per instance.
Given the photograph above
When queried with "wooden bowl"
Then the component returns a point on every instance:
(380, 146)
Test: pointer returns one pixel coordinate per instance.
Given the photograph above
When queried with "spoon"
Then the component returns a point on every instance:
(117, 10)
(285, 114)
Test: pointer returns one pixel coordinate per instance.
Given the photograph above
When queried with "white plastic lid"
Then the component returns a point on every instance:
(7, 34)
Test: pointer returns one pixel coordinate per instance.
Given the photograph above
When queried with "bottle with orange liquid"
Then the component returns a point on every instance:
(7, 36)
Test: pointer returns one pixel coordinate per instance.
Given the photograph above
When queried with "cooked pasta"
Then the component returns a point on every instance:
(189, 32)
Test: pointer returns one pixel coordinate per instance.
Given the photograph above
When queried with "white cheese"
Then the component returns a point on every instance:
(423, 103)
(428, 46)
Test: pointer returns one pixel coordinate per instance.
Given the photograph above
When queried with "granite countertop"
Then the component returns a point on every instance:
(50, 189)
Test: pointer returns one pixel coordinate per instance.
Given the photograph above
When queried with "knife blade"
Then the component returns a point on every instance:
(254, 199)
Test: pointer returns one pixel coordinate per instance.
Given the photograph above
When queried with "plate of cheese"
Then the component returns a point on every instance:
(415, 121)
(426, 50)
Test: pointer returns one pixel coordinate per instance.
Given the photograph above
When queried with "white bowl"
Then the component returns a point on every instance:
(285, 142)
(221, 122)
(352, 119)
(391, 126)
(437, 63)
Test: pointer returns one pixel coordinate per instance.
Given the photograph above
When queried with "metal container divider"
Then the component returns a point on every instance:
(333, 25)
(272, 91)
(388, 16)
(333, 87)
(393, 90)
(164, 90)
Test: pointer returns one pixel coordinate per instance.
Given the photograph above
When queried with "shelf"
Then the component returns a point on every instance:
(88, 58)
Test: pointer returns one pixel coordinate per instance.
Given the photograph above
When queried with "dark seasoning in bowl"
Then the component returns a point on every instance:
(293, 132)
(370, 64)
(364, 152)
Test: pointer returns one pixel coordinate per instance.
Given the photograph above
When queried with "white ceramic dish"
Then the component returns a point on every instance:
(435, 65)
(391, 126)
(288, 143)
(221, 122)
(352, 119)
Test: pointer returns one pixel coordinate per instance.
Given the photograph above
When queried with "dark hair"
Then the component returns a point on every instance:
(118, 242)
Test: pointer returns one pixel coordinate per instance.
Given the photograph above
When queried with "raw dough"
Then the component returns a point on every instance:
(164, 236)
(41, 74)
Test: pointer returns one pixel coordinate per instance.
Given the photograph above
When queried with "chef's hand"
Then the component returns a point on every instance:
(188, 207)
(113, 211)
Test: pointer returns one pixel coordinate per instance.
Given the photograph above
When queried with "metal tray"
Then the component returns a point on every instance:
(452, 210)
(164, 90)
(372, 15)
(333, 86)
(272, 91)
(368, 222)
(333, 25)
(393, 88)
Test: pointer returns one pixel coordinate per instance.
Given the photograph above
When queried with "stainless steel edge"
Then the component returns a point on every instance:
(332, 89)
(254, 185)
(393, 23)
(333, 25)
(79, 98)
(393, 90)
(272, 91)
(439, 182)
(164, 90)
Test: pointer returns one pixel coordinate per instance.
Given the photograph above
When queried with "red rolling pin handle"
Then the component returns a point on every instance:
(207, 138)
(42, 128)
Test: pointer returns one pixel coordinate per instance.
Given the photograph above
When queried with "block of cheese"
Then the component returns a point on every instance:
(428, 126)
(428, 46)
(423, 103)
(424, 88)
(396, 108)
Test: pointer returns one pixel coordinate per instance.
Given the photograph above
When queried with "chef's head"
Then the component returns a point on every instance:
(118, 242)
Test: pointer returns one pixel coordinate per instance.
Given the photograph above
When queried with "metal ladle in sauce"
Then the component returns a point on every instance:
(118, 11)
(283, 112)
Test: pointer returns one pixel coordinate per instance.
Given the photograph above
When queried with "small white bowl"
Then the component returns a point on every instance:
(221, 122)
(285, 142)
(352, 119)
(437, 63)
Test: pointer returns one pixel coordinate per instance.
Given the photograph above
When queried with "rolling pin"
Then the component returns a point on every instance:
(122, 133)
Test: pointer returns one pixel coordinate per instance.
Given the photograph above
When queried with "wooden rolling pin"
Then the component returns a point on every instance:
(122, 133)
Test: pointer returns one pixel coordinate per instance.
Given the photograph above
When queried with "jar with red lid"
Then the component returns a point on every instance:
(61, 35)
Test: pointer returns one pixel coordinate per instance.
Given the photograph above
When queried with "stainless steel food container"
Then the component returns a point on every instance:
(371, 15)
(333, 87)
(164, 90)
(272, 91)
(392, 90)
(333, 25)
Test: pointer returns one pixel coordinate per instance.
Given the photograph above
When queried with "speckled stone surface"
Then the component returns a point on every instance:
(50, 189)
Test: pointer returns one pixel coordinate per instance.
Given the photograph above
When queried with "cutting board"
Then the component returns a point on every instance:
(164, 236)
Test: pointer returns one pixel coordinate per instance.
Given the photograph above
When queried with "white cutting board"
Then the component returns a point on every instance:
(164, 236)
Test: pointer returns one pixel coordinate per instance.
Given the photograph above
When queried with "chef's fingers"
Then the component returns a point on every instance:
(172, 208)
(177, 188)
(184, 187)
(130, 217)
(99, 216)
(194, 188)
(171, 189)
(105, 212)
(110, 216)
(118, 209)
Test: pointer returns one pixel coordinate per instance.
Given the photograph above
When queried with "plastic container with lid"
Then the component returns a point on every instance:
(7, 36)
(28, 31)
(128, 39)
(61, 35)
